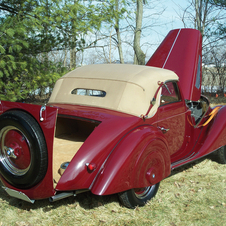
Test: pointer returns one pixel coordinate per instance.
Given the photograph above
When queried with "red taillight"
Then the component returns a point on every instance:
(91, 166)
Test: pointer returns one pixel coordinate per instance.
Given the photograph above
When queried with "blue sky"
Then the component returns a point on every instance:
(172, 11)
(169, 20)
(171, 15)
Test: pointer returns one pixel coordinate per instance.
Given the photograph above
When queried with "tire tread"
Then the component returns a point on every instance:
(220, 155)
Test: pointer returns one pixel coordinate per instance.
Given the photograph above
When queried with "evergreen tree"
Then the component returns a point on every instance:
(31, 29)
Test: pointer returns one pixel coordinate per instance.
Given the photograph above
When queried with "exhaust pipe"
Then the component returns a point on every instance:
(61, 196)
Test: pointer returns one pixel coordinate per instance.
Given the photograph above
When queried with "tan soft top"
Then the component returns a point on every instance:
(129, 88)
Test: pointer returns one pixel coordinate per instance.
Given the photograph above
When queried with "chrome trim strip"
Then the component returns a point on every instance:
(183, 160)
(171, 49)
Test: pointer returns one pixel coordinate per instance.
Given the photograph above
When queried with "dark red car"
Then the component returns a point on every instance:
(113, 128)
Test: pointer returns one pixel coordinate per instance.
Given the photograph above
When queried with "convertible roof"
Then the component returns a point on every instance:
(129, 88)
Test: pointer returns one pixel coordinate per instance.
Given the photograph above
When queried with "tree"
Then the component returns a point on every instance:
(117, 29)
(31, 29)
(79, 19)
(199, 14)
(11, 43)
(220, 32)
(208, 17)
(139, 54)
(204, 16)
(132, 28)
(221, 3)
(215, 70)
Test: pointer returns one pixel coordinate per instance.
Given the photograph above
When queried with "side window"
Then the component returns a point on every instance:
(170, 93)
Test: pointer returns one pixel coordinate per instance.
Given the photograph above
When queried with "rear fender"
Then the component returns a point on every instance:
(132, 163)
(43, 189)
(153, 165)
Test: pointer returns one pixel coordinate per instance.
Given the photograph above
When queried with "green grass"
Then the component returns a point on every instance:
(195, 195)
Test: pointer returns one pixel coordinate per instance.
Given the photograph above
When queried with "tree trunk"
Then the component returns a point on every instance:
(118, 34)
(137, 49)
(73, 38)
(71, 57)
(65, 58)
(201, 12)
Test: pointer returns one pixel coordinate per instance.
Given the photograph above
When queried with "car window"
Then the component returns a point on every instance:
(170, 93)
(198, 75)
(88, 92)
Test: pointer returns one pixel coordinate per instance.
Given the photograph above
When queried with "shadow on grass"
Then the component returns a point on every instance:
(187, 166)
(86, 200)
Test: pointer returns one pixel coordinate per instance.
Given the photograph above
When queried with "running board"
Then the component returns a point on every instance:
(181, 162)
(193, 157)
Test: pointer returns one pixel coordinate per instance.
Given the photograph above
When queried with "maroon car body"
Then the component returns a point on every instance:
(120, 152)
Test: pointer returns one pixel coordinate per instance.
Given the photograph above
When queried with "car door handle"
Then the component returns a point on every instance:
(163, 129)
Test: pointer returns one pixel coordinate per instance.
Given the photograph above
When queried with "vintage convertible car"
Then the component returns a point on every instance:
(113, 128)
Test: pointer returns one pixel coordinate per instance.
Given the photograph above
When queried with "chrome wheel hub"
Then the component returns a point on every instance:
(14, 150)
(10, 152)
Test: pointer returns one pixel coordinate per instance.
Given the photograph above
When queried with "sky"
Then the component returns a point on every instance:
(168, 20)
(172, 12)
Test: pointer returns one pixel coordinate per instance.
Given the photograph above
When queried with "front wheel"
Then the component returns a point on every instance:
(138, 196)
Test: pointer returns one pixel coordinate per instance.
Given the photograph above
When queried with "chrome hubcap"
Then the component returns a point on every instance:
(10, 152)
(14, 151)
(142, 193)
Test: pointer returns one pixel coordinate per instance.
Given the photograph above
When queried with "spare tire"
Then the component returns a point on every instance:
(23, 150)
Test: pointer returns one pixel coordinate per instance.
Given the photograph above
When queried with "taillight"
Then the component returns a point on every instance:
(91, 166)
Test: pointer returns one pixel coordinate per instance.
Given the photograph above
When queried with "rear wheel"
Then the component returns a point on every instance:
(220, 155)
(23, 151)
(138, 196)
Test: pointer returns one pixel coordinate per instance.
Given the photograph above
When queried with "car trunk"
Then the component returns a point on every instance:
(70, 134)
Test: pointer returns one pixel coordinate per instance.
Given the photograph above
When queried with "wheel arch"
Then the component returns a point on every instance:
(153, 164)
(124, 169)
